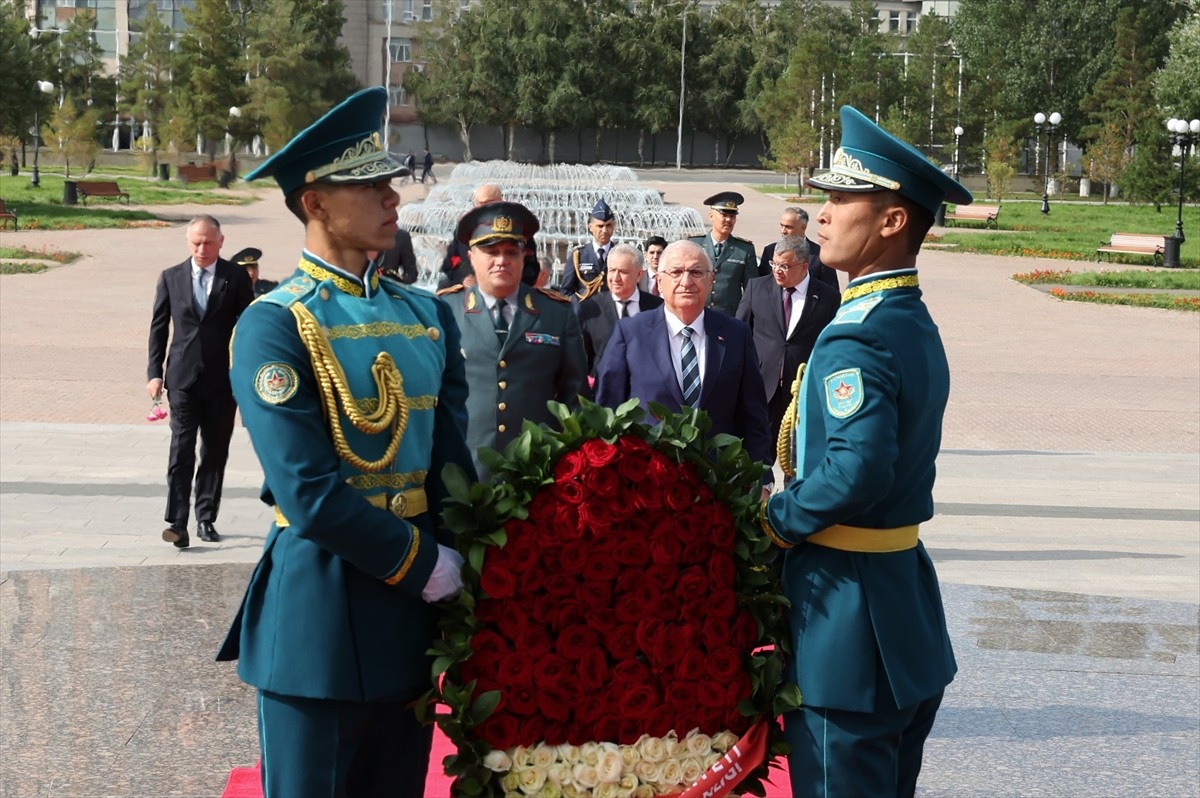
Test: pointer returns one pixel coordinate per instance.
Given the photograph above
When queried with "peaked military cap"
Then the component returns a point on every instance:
(871, 159)
(725, 202)
(495, 222)
(247, 257)
(343, 146)
(601, 211)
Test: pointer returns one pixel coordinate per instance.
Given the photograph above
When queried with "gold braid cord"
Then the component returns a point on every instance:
(391, 412)
(590, 287)
(785, 447)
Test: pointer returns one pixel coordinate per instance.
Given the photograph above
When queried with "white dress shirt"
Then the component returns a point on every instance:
(212, 271)
(675, 328)
(798, 297)
(510, 308)
(634, 306)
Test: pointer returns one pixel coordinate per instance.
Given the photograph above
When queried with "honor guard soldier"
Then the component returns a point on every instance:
(872, 656)
(354, 393)
(734, 261)
(588, 263)
(523, 345)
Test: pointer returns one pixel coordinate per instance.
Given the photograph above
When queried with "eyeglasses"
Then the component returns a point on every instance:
(783, 267)
(678, 274)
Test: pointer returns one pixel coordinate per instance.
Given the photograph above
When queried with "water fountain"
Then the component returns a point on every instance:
(562, 197)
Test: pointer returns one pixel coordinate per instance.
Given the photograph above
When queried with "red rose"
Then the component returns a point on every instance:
(595, 595)
(650, 635)
(488, 644)
(649, 497)
(579, 733)
(544, 612)
(630, 671)
(593, 670)
(682, 637)
(607, 729)
(602, 619)
(499, 730)
(745, 632)
(515, 669)
(559, 585)
(570, 611)
(595, 517)
(576, 641)
(693, 583)
(721, 571)
(520, 699)
(551, 670)
(691, 666)
(678, 496)
(631, 444)
(693, 719)
(661, 721)
(513, 624)
(681, 695)
(703, 492)
(666, 549)
(553, 704)
(662, 469)
(722, 529)
(622, 642)
(498, 582)
(696, 551)
(725, 664)
(572, 559)
(736, 722)
(565, 528)
(632, 550)
(738, 689)
(601, 567)
(555, 733)
(722, 604)
(666, 650)
(669, 605)
(534, 642)
(532, 730)
(716, 631)
(634, 469)
(603, 482)
(570, 492)
(569, 466)
(630, 731)
(711, 695)
(663, 575)
(488, 612)
(541, 509)
(628, 581)
(599, 453)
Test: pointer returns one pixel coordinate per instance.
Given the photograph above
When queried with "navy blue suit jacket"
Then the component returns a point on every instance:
(637, 362)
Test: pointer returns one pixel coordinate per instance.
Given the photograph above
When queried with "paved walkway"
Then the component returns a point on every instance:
(1067, 536)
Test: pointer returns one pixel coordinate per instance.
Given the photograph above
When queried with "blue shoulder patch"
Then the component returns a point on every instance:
(290, 291)
(854, 312)
(844, 392)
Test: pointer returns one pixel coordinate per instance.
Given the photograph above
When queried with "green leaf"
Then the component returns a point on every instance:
(484, 705)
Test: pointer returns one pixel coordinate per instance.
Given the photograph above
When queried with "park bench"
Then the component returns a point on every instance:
(1134, 244)
(101, 188)
(192, 173)
(6, 214)
(975, 213)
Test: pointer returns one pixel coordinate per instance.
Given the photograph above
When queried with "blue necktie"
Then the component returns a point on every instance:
(691, 369)
(201, 293)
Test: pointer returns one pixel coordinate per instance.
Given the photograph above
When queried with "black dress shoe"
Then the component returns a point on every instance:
(176, 536)
(207, 532)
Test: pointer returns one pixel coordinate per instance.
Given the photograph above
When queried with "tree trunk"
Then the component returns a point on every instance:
(464, 133)
(596, 149)
(512, 139)
(641, 148)
(550, 145)
(716, 150)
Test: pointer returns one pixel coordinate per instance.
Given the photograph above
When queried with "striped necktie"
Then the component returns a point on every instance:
(691, 369)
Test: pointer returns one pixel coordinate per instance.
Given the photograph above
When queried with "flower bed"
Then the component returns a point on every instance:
(621, 624)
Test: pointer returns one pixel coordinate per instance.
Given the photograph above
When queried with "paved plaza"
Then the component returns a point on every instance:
(1067, 533)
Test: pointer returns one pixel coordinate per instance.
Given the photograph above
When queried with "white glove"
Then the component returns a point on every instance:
(446, 579)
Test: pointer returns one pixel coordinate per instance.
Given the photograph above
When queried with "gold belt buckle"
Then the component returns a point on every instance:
(399, 505)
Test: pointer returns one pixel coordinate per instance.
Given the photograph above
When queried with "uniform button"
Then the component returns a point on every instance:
(503, 365)
(502, 406)
(503, 384)
(434, 333)
(324, 292)
(500, 428)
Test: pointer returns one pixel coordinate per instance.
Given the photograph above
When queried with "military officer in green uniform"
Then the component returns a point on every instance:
(353, 390)
(872, 656)
(734, 261)
(523, 345)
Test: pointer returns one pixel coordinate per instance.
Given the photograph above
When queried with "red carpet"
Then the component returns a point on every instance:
(246, 782)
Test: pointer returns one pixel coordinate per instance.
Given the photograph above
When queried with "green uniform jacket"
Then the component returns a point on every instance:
(736, 267)
(869, 428)
(541, 359)
(333, 609)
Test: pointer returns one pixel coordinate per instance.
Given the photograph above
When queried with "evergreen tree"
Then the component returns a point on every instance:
(650, 63)
(726, 57)
(1176, 85)
(210, 74)
(145, 79)
(24, 64)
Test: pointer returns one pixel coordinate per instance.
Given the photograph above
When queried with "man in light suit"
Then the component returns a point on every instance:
(682, 354)
(202, 298)
(787, 311)
(794, 222)
(522, 345)
(623, 300)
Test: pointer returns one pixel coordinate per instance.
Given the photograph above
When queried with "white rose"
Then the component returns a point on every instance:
(692, 769)
(511, 782)
(609, 766)
(724, 740)
(651, 749)
(544, 756)
(513, 795)
(572, 790)
(568, 753)
(589, 754)
(698, 743)
(586, 776)
(606, 789)
(522, 757)
(627, 786)
(649, 772)
(550, 790)
(645, 791)
(630, 756)
(672, 772)
(559, 773)
(497, 760)
(532, 779)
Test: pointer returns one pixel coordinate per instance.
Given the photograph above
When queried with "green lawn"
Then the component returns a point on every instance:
(1074, 231)
(42, 208)
(1170, 279)
(25, 253)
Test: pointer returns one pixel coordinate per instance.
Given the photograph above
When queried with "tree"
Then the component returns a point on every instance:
(650, 62)
(726, 56)
(23, 65)
(208, 81)
(1000, 146)
(145, 78)
(71, 134)
(930, 90)
(448, 89)
(1176, 87)
(1107, 156)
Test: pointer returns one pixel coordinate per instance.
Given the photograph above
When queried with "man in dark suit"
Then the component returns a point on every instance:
(522, 345)
(733, 258)
(794, 222)
(202, 298)
(682, 354)
(399, 262)
(622, 300)
(583, 275)
(787, 311)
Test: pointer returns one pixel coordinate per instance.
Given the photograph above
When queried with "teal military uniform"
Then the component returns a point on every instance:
(353, 390)
(733, 269)
(513, 376)
(872, 654)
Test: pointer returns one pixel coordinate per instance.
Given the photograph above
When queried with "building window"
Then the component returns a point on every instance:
(427, 10)
(397, 95)
(894, 20)
(400, 50)
(910, 23)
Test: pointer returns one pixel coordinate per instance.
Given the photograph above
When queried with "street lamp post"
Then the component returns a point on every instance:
(45, 87)
(1183, 135)
(958, 131)
(1051, 122)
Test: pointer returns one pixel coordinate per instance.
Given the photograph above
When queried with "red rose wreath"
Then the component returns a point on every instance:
(621, 628)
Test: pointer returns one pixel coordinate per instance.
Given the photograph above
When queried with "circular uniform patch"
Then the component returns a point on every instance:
(275, 383)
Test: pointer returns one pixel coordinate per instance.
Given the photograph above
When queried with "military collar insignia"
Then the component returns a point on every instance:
(346, 285)
(529, 303)
(874, 286)
(471, 302)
